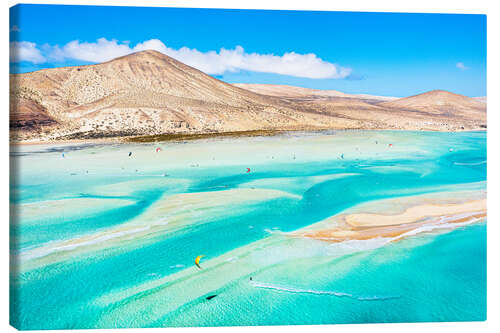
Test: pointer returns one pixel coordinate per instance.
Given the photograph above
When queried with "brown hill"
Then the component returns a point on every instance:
(438, 102)
(435, 110)
(482, 99)
(287, 91)
(148, 93)
(142, 93)
(300, 92)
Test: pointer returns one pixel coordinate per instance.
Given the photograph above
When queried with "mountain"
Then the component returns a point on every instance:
(438, 102)
(287, 91)
(138, 94)
(149, 93)
(482, 99)
(299, 92)
(434, 110)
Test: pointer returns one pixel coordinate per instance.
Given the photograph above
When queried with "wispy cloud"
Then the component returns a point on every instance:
(211, 62)
(461, 66)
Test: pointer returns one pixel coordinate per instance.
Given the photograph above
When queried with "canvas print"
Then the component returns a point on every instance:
(217, 167)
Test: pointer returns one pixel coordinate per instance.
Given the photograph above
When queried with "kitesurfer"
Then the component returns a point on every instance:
(197, 260)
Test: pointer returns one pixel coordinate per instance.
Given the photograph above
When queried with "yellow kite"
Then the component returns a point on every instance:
(197, 260)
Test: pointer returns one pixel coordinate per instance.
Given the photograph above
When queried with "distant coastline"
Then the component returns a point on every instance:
(182, 137)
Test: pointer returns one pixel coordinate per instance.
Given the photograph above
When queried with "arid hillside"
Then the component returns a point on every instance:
(434, 110)
(149, 93)
(299, 92)
(437, 101)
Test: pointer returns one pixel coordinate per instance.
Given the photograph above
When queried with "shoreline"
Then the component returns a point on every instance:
(183, 137)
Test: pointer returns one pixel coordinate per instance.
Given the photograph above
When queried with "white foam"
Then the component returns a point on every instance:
(477, 163)
(443, 225)
(318, 292)
(274, 231)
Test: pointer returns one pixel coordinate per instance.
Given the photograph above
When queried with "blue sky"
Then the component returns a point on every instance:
(387, 54)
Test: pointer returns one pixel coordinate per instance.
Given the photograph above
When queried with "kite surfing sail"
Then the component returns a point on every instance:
(197, 261)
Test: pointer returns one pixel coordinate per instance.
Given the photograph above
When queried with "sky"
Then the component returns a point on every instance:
(388, 54)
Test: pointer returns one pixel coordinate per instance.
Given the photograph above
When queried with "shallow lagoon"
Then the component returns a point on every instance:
(119, 251)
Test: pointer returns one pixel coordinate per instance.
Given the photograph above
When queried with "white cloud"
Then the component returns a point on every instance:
(102, 50)
(25, 51)
(461, 66)
(210, 62)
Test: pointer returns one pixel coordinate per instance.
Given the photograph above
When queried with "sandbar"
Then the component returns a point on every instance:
(447, 211)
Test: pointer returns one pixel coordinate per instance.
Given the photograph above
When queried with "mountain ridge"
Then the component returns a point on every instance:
(149, 93)
(279, 90)
(440, 102)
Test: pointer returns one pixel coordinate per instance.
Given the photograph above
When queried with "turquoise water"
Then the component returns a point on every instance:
(404, 282)
(146, 278)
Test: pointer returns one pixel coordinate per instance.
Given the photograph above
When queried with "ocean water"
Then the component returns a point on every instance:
(101, 239)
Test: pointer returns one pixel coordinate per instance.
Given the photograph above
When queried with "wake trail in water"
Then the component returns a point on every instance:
(319, 292)
(463, 163)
